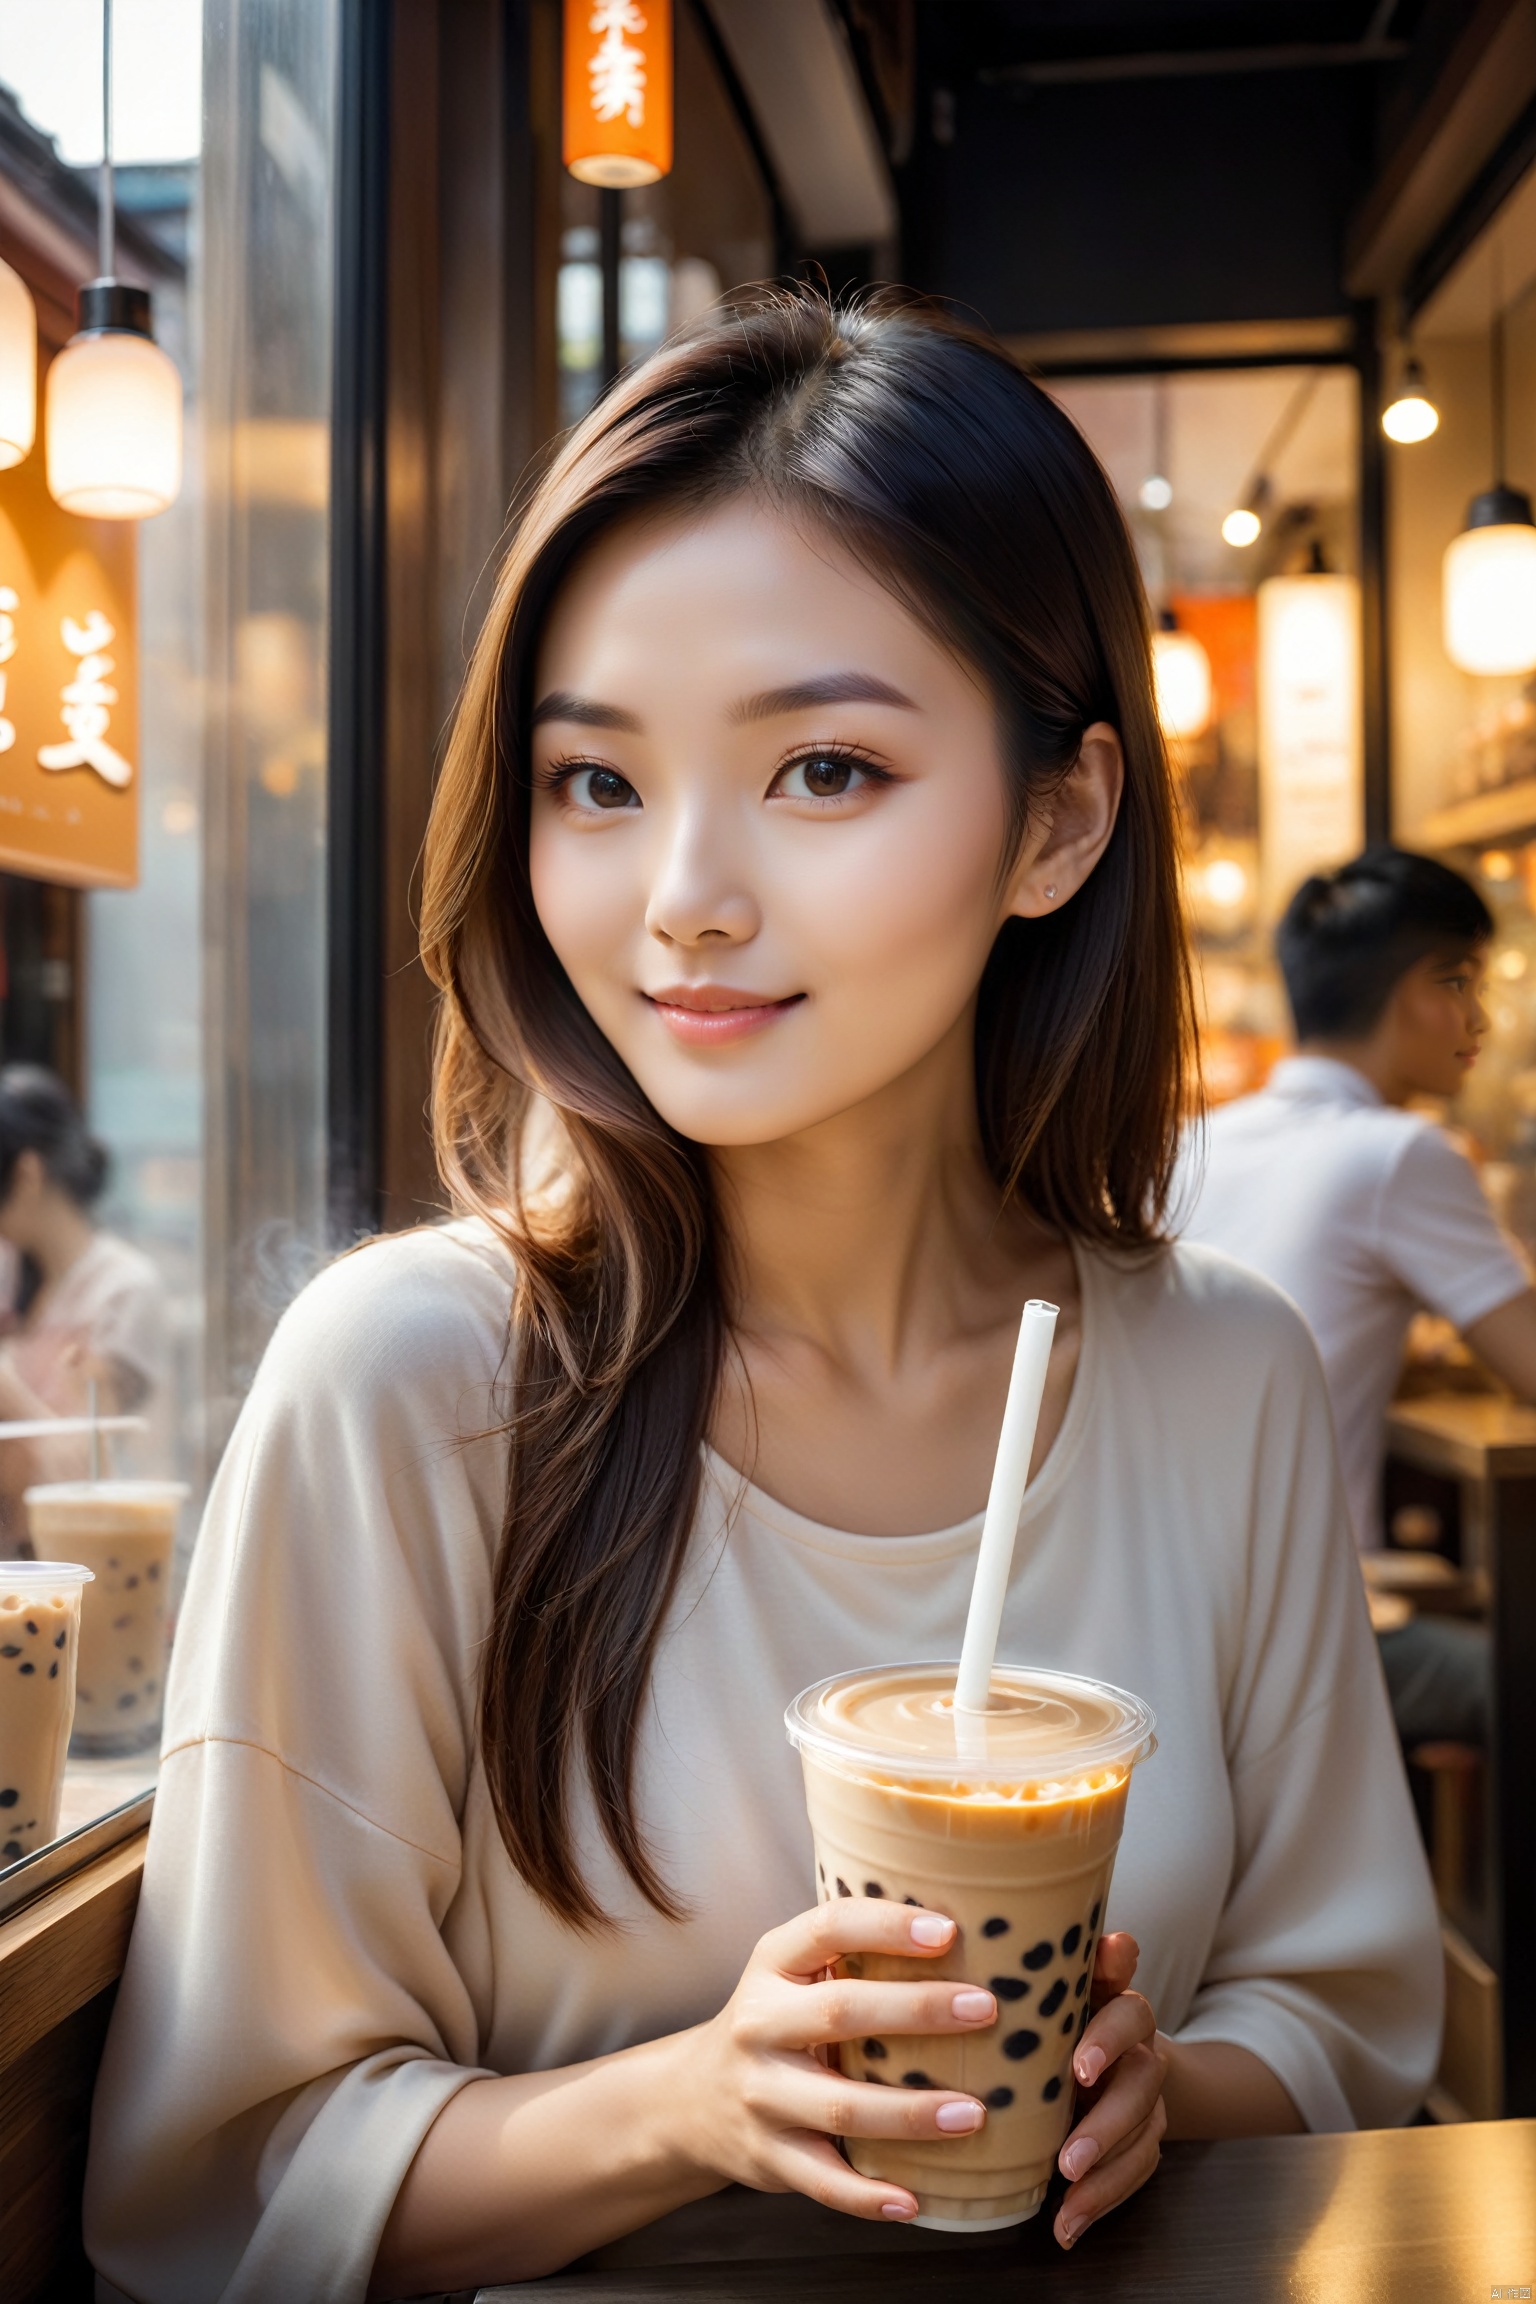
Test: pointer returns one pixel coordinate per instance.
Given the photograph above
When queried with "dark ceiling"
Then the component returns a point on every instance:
(1100, 164)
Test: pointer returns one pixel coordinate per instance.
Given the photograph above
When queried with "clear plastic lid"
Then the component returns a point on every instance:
(1053, 1732)
(22, 1579)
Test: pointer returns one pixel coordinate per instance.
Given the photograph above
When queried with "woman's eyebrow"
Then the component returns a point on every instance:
(560, 704)
(830, 688)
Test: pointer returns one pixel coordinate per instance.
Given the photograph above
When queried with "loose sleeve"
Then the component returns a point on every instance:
(1438, 1235)
(1326, 1962)
(290, 2022)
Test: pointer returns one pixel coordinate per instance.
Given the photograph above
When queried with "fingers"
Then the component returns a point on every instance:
(1127, 2098)
(803, 2097)
(1121, 2024)
(812, 2165)
(813, 1940)
(1114, 1966)
(847, 2009)
(1112, 2179)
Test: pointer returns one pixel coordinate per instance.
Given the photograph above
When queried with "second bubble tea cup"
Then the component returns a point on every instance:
(125, 1532)
(39, 1644)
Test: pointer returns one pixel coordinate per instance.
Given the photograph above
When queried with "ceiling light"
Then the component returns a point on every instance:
(1181, 678)
(1411, 415)
(1241, 527)
(1488, 576)
(1155, 493)
(113, 397)
(18, 368)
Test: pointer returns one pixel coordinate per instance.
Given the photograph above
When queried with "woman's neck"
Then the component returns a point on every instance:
(58, 1235)
(876, 1279)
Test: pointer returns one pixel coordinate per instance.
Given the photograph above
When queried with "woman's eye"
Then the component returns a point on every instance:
(601, 788)
(821, 776)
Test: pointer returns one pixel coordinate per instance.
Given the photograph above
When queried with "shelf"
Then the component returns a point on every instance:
(1497, 815)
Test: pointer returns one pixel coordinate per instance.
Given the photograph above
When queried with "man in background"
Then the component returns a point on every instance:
(1365, 1212)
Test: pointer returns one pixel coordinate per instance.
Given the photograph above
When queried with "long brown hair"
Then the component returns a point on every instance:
(921, 447)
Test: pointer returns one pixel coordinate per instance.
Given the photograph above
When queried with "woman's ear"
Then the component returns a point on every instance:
(1072, 831)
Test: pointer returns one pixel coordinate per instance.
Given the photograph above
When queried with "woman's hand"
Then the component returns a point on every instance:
(1121, 2063)
(768, 2102)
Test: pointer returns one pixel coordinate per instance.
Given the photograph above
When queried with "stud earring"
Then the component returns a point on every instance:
(1050, 894)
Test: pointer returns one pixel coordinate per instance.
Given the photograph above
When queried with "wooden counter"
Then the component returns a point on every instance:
(1403, 2215)
(1489, 1446)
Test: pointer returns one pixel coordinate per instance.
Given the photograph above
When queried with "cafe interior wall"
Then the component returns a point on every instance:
(1464, 744)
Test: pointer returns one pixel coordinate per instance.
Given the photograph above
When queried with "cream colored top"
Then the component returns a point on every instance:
(332, 1940)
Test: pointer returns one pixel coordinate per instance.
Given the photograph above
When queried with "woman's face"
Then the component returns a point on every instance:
(770, 820)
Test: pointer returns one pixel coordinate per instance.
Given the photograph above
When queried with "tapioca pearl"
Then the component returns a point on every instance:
(994, 1927)
(1018, 2045)
(59, 1638)
(1081, 1986)
(917, 1900)
(998, 2099)
(877, 2049)
(26, 1670)
(873, 1888)
(10, 1649)
(1038, 1956)
(53, 1669)
(31, 1627)
(843, 1888)
(1082, 2019)
(1007, 1987)
(1052, 2088)
(917, 2080)
(1093, 1917)
(11, 1848)
(1054, 1997)
(153, 1571)
(1072, 1939)
(9, 1797)
(121, 1623)
(126, 1703)
(132, 1585)
(111, 1563)
(1068, 2021)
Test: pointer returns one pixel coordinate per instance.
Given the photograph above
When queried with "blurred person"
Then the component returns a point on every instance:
(86, 1308)
(1365, 1212)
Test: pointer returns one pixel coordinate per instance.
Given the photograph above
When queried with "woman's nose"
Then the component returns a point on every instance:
(698, 892)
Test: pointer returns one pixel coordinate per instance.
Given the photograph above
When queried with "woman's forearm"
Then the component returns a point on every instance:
(1215, 2088)
(516, 2176)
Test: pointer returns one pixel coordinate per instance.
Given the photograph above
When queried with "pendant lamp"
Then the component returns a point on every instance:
(18, 368)
(1410, 415)
(1488, 580)
(1181, 676)
(618, 91)
(113, 397)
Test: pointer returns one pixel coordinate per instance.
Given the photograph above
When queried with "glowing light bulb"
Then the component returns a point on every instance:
(1155, 493)
(114, 412)
(1411, 415)
(18, 368)
(1488, 586)
(1181, 674)
(1242, 527)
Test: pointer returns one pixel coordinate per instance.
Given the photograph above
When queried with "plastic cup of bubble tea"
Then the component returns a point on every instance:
(1008, 1822)
(39, 1645)
(125, 1532)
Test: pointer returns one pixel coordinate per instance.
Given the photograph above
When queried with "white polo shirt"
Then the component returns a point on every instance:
(1364, 1215)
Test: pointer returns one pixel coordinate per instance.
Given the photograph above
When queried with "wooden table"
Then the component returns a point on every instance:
(1489, 1446)
(1393, 2216)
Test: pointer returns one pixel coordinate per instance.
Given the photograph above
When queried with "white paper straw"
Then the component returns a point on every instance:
(69, 1427)
(994, 1557)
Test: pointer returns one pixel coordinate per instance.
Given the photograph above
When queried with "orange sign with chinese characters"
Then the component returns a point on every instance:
(69, 778)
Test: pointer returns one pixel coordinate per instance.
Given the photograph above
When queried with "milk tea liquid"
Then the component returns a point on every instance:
(125, 1532)
(39, 1644)
(1010, 1828)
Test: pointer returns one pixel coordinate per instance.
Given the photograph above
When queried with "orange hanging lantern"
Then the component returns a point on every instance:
(618, 91)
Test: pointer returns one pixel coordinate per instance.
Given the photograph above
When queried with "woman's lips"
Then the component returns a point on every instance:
(710, 1015)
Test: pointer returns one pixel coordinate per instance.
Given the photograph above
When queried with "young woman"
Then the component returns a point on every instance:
(801, 887)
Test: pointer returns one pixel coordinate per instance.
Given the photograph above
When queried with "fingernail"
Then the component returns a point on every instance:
(1078, 2158)
(901, 2211)
(1071, 2226)
(958, 2118)
(973, 2007)
(1090, 2064)
(929, 1928)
